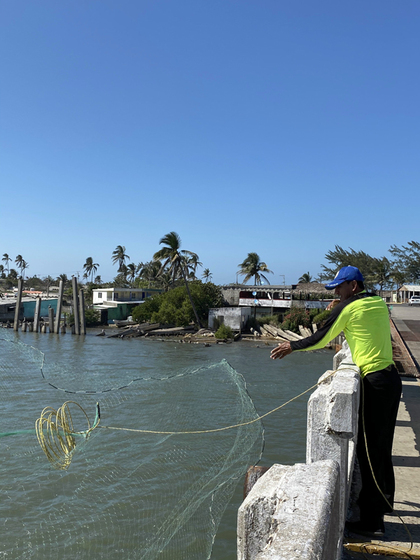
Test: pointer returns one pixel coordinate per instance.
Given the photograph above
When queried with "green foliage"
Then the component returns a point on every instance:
(224, 332)
(174, 307)
(305, 278)
(406, 267)
(320, 318)
(92, 317)
(297, 316)
(252, 267)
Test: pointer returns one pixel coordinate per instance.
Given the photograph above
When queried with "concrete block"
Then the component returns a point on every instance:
(291, 514)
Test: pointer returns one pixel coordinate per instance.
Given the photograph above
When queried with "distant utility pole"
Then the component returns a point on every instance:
(284, 278)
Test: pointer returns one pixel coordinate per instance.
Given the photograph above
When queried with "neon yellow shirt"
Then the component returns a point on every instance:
(364, 319)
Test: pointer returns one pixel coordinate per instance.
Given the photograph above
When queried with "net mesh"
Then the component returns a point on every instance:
(126, 494)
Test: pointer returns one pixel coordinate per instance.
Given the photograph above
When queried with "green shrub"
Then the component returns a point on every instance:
(224, 332)
(92, 317)
(321, 318)
(297, 316)
(174, 307)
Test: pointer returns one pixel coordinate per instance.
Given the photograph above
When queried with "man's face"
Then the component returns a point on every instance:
(346, 290)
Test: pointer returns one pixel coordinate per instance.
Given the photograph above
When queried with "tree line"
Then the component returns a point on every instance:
(172, 266)
(403, 266)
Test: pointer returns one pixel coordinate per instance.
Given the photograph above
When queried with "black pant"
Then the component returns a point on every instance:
(379, 400)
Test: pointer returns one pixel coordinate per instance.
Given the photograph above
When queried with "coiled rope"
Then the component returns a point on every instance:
(56, 434)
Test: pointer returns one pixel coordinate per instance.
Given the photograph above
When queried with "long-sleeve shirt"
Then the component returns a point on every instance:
(364, 319)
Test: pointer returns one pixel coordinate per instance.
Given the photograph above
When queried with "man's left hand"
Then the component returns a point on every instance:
(282, 350)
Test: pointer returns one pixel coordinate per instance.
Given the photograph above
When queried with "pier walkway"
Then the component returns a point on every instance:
(406, 457)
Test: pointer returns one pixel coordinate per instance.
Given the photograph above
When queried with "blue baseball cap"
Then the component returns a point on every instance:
(345, 274)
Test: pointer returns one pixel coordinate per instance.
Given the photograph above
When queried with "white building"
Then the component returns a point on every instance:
(118, 303)
(407, 291)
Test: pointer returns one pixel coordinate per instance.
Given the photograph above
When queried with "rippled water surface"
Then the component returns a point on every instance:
(98, 364)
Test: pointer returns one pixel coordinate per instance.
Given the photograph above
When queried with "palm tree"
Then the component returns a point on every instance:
(18, 262)
(90, 268)
(305, 278)
(252, 267)
(207, 275)
(24, 265)
(64, 278)
(98, 279)
(119, 256)
(48, 280)
(6, 259)
(150, 272)
(174, 259)
(131, 272)
(192, 263)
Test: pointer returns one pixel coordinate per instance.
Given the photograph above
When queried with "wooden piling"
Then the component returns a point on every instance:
(82, 312)
(59, 307)
(18, 303)
(75, 306)
(51, 319)
(30, 326)
(37, 314)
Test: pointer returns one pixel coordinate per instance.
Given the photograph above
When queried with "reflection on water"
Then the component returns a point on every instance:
(97, 364)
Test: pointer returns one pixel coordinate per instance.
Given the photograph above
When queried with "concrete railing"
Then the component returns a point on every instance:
(298, 512)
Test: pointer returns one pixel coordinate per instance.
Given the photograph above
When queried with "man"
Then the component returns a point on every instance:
(364, 319)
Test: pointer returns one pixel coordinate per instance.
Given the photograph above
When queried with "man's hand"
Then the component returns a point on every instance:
(282, 350)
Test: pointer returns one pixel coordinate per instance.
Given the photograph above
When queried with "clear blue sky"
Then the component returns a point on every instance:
(277, 127)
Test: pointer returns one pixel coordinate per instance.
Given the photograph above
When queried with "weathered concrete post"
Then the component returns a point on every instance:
(75, 306)
(37, 314)
(30, 326)
(288, 513)
(332, 424)
(18, 303)
(59, 307)
(82, 312)
(51, 319)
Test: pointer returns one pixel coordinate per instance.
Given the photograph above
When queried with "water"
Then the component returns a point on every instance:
(102, 363)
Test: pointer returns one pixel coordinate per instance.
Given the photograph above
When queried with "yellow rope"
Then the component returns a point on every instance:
(55, 433)
(216, 429)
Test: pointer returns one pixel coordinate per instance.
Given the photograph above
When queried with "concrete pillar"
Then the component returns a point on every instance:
(51, 319)
(18, 304)
(59, 307)
(37, 314)
(332, 427)
(289, 514)
(82, 312)
(75, 306)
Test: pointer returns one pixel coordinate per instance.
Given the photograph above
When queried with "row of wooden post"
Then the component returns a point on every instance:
(79, 326)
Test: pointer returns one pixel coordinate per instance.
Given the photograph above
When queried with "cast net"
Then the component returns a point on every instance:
(131, 493)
